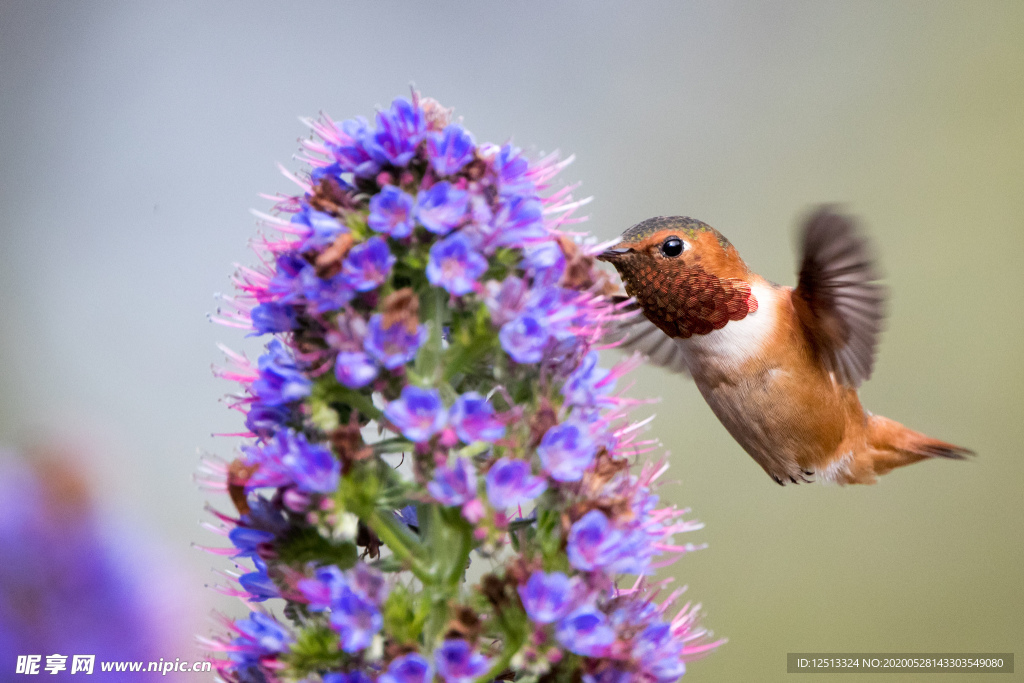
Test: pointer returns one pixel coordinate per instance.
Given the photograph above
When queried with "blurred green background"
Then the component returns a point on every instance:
(134, 137)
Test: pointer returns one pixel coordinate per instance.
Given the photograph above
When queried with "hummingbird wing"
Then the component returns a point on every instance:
(637, 333)
(838, 302)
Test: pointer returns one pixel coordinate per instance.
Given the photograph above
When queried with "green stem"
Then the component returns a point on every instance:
(405, 548)
(358, 401)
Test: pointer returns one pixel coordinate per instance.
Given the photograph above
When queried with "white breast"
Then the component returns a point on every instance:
(739, 341)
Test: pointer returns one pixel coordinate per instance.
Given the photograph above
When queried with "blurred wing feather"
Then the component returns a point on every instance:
(637, 333)
(838, 302)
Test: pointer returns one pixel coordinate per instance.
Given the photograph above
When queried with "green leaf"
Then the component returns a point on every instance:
(402, 621)
(305, 544)
(315, 649)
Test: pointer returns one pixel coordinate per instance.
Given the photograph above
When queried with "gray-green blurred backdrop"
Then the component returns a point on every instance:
(135, 136)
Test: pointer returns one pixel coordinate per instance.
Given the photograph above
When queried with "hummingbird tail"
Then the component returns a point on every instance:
(892, 445)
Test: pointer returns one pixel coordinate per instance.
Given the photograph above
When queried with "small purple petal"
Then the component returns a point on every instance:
(509, 483)
(418, 414)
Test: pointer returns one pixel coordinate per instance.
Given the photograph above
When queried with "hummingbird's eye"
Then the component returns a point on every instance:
(672, 247)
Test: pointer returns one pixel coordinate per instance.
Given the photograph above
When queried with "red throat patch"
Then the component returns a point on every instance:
(688, 301)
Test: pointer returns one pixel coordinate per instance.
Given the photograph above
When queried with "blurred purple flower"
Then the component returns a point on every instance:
(280, 381)
(258, 584)
(351, 154)
(566, 451)
(391, 212)
(458, 663)
(454, 485)
(588, 383)
(659, 653)
(394, 346)
(410, 668)
(454, 264)
(273, 317)
(509, 483)
(354, 369)
(506, 300)
(519, 221)
(545, 262)
(473, 419)
(450, 150)
(547, 597)
(511, 169)
(264, 421)
(325, 295)
(355, 619)
(367, 265)
(321, 228)
(418, 414)
(288, 458)
(247, 540)
(399, 131)
(259, 636)
(441, 208)
(524, 338)
(593, 542)
(586, 632)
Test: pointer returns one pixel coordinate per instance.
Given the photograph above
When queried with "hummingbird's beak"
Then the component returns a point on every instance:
(613, 255)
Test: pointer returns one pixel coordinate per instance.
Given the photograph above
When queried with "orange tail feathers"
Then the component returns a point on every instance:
(891, 445)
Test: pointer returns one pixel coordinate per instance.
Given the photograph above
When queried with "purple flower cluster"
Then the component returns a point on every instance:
(289, 459)
(423, 287)
(353, 599)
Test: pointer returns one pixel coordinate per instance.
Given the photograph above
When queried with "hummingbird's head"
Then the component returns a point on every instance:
(684, 274)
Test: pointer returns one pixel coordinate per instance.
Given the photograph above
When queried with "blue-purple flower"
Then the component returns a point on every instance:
(524, 338)
(351, 153)
(259, 635)
(399, 131)
(518, 222)
(410, 668)
(264, 421)
(273, 317)
(588, 383)
(473, 418)
(354, 369)
(325, 295)
(510, 483)
(545, 261)
(455, 485)
(247, 540)
(586, 632)
(355, 619)
(418, 413)
(457, 662)
(450, 150)
(441, 208)
(593, 542)
(392, 346)
(512, 171)
(659, 653)
(391, 212)
(506, 300)
(280, 381)
(566, 451)
(258, 584)
(367, 265)
(288, 458)
(547, 597)
(455, 265)
(321, 229)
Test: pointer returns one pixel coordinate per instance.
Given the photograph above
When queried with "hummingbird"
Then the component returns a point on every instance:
(779, 366)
